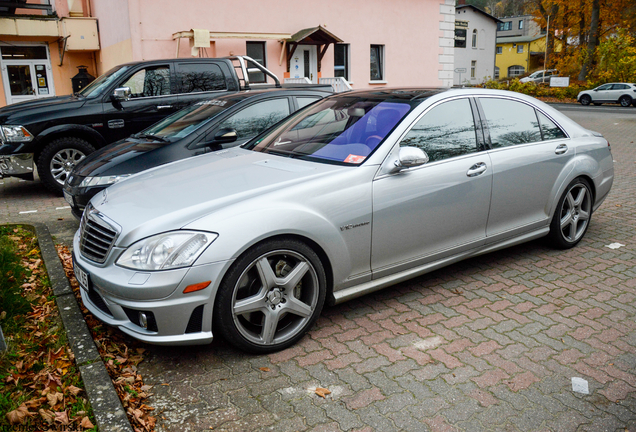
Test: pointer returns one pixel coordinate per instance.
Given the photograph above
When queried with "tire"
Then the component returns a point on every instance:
(271, 296)
(625, 101)
(585, 100)
(58, 159)
(572, 215)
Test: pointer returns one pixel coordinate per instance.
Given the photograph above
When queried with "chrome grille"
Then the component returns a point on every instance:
(97, 236)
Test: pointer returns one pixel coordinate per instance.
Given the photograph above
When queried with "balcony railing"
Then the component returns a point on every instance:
(9, 7)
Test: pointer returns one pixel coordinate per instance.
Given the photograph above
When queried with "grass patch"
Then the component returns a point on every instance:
(40, 385)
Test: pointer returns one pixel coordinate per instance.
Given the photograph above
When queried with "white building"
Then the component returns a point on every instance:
(475, 43)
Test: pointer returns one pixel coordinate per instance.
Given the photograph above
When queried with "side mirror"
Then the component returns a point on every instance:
(121, 94)
(409, 157)
(225, 135)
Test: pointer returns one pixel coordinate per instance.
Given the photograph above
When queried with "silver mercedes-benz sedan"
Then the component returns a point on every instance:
(357, 192)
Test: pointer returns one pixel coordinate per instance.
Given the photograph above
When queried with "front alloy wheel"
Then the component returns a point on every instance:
(585, 100)
(572, 218)
(271, 296)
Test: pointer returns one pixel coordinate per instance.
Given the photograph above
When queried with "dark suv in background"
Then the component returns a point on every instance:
(54, 134)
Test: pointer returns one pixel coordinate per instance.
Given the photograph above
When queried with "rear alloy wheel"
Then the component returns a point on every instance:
(270, 296)
(572, 216)
(585, 100)
(625, 101)
(58, 159)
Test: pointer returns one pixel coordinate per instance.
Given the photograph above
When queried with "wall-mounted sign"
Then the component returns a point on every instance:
(461, 24)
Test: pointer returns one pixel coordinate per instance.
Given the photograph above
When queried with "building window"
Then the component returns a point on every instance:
(503, 26)
(499, 50)
(341, 61)
(519, 49)
(496, 72)
(520, 24)
(473, 66)
(475, 38)
(514, 71)
(256, 50)
(377, 62)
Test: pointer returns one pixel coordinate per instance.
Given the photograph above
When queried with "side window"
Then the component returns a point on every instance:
(304, 101)
(199, 77)
(605, 87)
(549, 129)
(510, 122)
(148, 82)
(446, 131)
(257, 117)
(620, 87)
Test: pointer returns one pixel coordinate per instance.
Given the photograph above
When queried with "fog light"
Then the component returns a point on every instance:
(143, 320)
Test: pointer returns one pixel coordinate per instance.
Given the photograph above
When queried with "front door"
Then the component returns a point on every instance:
(26, 73)
(304, 63)
(441, 208)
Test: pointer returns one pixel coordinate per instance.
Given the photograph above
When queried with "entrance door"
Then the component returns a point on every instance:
(26, 73)
(304, 63)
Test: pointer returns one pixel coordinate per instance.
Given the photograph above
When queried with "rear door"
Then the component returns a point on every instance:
(152, 98)
(201, 80)
(528, 152)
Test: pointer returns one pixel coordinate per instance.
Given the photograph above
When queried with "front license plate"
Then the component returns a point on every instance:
(81, 276)
(68, 197)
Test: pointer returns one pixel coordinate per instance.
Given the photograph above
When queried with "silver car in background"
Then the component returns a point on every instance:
(355, 193)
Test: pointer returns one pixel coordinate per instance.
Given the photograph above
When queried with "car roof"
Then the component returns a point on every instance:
(248, 94)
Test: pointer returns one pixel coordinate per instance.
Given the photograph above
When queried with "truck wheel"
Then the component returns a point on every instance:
(58, 159)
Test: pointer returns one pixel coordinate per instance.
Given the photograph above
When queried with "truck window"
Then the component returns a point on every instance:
(150, 81)
(200, 77)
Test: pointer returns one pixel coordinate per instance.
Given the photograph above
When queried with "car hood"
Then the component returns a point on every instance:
(122, 157)
(36, 106)
(173, 195)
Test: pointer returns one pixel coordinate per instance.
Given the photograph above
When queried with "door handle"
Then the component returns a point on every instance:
(164, 106)
(561, 148)
(477, 169)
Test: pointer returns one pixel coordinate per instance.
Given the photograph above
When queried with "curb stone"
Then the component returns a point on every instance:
(107, 408)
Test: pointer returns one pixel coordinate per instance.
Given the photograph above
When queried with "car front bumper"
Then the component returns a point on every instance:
(16, 165)
(117, 296)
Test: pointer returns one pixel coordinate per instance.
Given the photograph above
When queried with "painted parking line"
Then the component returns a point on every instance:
(62, 208)
(28, 211)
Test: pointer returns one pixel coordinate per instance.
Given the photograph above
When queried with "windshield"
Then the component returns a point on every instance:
(97, 87)
(343, 130)
(184, 122)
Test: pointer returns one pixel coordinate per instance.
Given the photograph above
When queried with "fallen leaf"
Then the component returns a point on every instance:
(265, 369)
(17, 416)
(54, 398)
(74, 390)
(62, 417)
(47, 415)
(322, 392)
(86, 423)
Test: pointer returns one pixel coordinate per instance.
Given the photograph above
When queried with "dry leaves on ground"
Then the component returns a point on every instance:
(121, 357)
(39, 370)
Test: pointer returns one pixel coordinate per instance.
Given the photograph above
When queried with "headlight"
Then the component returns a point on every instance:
(100, 181)
(166, 251)
(16, 134)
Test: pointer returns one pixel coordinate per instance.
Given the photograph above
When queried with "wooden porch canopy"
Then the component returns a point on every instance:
(318, 36)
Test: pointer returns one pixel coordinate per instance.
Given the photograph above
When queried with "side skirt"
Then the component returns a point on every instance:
(375, 285)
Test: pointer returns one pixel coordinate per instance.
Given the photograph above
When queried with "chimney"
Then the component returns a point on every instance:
(461, 2)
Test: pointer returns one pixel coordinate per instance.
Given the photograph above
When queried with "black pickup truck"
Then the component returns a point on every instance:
(55, 133)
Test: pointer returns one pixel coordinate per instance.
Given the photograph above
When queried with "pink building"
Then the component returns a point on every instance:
(368, 42)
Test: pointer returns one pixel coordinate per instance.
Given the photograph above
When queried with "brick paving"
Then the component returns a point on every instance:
(491, 343)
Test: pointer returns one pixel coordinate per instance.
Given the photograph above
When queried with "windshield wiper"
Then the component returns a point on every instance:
(150, 136)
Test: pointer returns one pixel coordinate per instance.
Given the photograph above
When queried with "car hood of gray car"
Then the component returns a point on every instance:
(171, 196)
